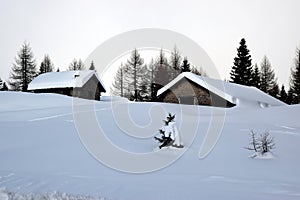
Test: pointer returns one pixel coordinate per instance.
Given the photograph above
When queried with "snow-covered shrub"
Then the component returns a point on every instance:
(262, 144)
(169, 134)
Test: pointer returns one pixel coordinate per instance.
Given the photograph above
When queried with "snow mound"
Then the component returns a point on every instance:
(10, 195)
(41, 152)
(258, 155)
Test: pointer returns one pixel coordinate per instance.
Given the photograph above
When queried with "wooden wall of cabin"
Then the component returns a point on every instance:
(185, 89)
(90, 90)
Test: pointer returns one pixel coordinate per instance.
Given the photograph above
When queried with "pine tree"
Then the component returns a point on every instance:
(163, 73)
(24, 69)
(267, 76)
(256, 77)
(76, 65)
(185, 67)
(118, 84)
(4, 87)
(241, 72)
(46, 65)
(283, 95)
(92, 67)
(295, 79)
(274, 92)
(134, 65)
(175, 62)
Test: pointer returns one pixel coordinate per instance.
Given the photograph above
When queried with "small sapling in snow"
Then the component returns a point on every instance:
(262, 144)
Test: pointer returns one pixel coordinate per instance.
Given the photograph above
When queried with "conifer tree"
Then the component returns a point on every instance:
(175, 62)
(267, 76)
(92, 67)
(185, 67)
(46, 65)
(283, 95)
(118, 84)
(4, 87)
(290, 97)
(241, 72)
(152, 70)
(76, 65)
(23, 69)
(1, 83)
(274, 92)
(134, 65)
(295, 79)
(256, 77)
(162, 75)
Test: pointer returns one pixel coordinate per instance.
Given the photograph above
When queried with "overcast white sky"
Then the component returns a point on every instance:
(73, 29)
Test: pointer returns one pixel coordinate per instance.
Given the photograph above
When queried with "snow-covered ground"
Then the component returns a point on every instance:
(41, 154)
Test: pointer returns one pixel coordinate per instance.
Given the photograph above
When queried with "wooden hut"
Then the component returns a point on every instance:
(84, 84)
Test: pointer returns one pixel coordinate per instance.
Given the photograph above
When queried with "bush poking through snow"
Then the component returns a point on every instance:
(261, 145)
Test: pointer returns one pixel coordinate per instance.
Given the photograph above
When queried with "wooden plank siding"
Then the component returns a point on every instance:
(91, 90)
(187, 92)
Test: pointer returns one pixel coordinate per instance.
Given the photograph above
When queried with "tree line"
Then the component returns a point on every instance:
(263, 77)
(140, 81)
(24, 69)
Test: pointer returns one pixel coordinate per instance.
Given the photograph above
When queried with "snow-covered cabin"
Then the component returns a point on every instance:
(188, 88)
(84, 84)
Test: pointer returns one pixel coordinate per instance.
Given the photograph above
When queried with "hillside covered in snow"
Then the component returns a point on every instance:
(41, 152)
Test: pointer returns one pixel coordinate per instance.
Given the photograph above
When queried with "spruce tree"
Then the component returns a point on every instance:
(295, 79)
(185, 67)
(274, 92)
(241, 72)
(256, 77)
(23, 69)
(290, 97)
(46, 65)
(283, 95)
(267, 76)
(4, 87)
(92, 67)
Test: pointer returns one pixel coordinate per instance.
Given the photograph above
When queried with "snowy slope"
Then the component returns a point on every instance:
(40, 152)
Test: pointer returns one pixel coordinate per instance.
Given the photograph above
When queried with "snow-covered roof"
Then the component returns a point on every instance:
(234, 93)
(65, 79)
